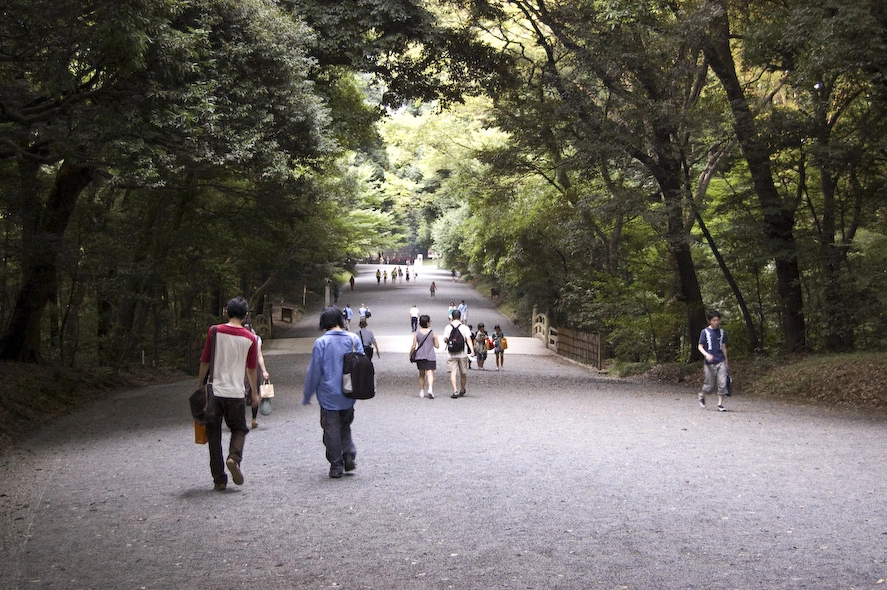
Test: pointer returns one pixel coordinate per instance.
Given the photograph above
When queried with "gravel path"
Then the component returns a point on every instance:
(546, 475)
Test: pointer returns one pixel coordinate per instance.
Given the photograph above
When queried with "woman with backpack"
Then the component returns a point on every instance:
(425, 348)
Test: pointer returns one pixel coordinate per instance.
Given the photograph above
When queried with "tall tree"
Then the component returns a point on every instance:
(140, 92)
(778, 212)
(600, 87)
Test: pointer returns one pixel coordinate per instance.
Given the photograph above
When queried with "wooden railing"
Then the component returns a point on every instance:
(573, 344)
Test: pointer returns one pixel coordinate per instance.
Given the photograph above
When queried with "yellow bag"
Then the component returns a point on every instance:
(504, 343)
(200, 436)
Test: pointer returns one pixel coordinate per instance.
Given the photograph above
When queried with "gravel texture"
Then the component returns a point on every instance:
(546, 475)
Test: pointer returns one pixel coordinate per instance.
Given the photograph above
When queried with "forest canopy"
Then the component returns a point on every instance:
(623, 165)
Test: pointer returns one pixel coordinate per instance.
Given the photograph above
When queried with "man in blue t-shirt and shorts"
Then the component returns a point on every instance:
(713, 346)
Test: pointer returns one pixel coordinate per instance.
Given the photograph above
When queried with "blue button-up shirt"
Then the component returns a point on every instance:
(324, 376)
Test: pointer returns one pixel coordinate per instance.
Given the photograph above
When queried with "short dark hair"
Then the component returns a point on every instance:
(713, 313)
(237, 308)
(424, 320)
(457, 315)
(331, 317)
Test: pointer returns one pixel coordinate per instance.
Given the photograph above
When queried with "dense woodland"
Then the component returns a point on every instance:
(623, 164)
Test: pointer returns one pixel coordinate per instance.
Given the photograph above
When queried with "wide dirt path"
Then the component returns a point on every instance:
(546, 475)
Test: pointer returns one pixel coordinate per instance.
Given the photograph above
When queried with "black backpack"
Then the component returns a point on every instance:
(456, 341)
(358, 375)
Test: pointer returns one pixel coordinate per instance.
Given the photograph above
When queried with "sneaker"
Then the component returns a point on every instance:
(221, 487)
(336, 472)
(234, 468)
(721, 408)
(254, 425)
(455, 395)
(350, 463)
(701, 401)
(430, 395)
(462, 393)
(421, 393)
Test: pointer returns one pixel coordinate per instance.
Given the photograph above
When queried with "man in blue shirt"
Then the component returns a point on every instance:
(324, 378)
(713, 346)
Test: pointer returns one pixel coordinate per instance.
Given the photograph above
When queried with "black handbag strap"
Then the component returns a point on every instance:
(212, 355)
(427, 334)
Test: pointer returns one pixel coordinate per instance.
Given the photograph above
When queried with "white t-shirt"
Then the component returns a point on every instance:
(466, 333)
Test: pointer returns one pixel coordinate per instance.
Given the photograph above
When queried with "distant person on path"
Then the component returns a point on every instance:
(324, 378)
(378, 276)
(450, 310)
(433, 289)
(347, 314)
(480, 346)
(385, 277)
(351, 282)
(265, 376)
(463, 309)
(362, 311)
(335, 293)
(236, 357)
(713, 346)
(368, 339)
(425, 344)
(414, 317)
(497, 347)
(457, 360)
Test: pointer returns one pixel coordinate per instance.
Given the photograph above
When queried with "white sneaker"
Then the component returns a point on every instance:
(421, 393)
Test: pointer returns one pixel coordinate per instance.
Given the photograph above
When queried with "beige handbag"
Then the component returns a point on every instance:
(266, 390)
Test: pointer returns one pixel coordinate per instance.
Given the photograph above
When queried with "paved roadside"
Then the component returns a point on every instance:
(547, 475)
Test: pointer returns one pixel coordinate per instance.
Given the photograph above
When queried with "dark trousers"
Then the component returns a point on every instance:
(232, 410)
(336, 426)
(414, 323)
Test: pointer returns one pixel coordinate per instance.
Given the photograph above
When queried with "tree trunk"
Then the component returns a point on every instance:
(678, 240)
(778, 217)
(41, 249)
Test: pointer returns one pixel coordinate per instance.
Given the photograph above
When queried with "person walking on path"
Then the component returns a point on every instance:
(457, 337)
(363, 311)
(351, 282)
(324, 379)
(498, 347)
(713, 346)
(378, 276)
(433, 289)
(265, 376)
(368, 339)
(463, 309)
(236, 355)
(414, 317)
(450, 311)
(425, 344)
(480, 346)
(347, 314)
(335, 293)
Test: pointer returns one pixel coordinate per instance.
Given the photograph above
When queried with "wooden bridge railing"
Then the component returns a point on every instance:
(573, 344)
